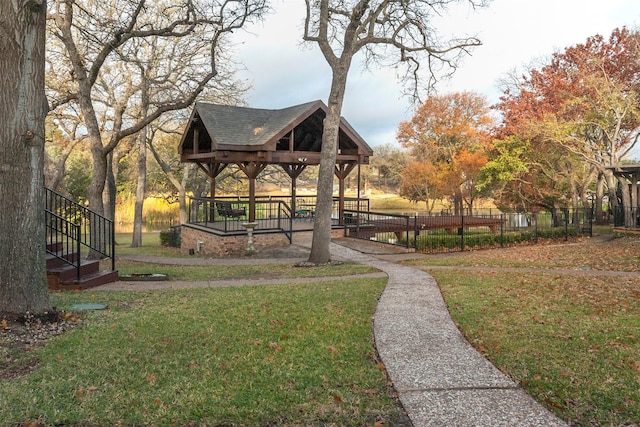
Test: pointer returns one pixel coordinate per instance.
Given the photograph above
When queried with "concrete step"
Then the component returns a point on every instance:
(88, 281)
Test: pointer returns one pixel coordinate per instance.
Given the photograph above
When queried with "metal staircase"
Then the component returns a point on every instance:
(80, 245)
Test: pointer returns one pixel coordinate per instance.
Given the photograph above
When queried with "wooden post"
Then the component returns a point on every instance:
(294, 171)
(342, 171)
(252, 170)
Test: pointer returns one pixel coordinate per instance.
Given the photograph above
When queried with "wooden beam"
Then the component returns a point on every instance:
(294, 171)
(275, 157)
(252, 170)
(342, 170)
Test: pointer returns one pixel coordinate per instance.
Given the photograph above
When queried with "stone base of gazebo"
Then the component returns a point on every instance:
(195, 240)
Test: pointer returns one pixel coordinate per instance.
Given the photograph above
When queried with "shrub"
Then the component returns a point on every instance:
(439, 241)
(170, 237)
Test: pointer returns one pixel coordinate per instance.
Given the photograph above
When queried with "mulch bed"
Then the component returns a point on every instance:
(20, 336)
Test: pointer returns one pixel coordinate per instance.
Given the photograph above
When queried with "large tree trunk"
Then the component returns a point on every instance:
(320, 253)
(23, 281)
(98, 178)
(611, 187)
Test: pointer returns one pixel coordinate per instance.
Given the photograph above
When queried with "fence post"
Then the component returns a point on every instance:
(462, 235)
(77, 249)
(415, 232)
(502, 230)
(535, 228)
(113, 246)
(566, 224)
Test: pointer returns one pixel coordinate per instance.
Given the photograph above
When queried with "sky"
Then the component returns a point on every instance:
(514, 33)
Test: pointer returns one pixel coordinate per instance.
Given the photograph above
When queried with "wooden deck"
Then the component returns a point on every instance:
(399, 226)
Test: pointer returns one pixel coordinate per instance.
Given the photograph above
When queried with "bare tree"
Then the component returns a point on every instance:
(23, 284)
(164, 67)
(183, 177)
(388, 163)
(390, 33)
(58, 148)
(97, 36)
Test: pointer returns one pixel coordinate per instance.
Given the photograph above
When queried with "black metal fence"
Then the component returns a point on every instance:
(447, 232)
(270, 214)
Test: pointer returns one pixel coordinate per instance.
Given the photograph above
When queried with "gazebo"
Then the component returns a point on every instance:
(220, 135)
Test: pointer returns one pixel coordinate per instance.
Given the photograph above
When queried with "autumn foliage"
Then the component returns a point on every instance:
(579, 115)
(447, 137)
(565, 126)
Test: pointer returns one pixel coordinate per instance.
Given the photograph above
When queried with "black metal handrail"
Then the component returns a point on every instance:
(303, 202)
(81, 225)
(63, 240)
(271, 215)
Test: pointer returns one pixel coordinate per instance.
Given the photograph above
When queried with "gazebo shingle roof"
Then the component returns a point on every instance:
(247, 126)
(223, 133)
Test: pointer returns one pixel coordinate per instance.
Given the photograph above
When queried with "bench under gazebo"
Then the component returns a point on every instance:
(217, 136)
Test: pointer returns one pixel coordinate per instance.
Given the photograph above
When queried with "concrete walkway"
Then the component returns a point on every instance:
(440, 378)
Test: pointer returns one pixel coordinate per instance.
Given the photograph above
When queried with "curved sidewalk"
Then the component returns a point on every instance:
(440, 378)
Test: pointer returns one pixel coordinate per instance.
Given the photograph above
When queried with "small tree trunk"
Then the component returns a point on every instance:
(23, 282)
(182, 194)
(55, 171)
(141, 178)
(599, 209)
(141, 172)
(181, 186)
(109, 193)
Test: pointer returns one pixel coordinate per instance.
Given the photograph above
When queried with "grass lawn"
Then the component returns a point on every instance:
(150, 246)
(572, 341)
(240, 272)
(302, 354)
(254, 356)
(622, 254)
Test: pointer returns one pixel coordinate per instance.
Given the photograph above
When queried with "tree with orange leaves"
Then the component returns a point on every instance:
(421, 182)
(447, 137)
(467, 167)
